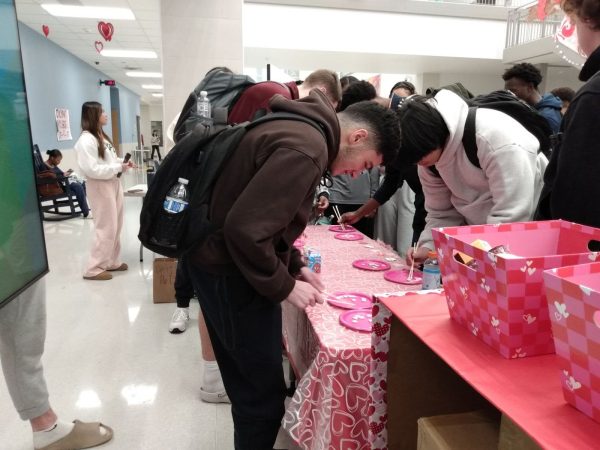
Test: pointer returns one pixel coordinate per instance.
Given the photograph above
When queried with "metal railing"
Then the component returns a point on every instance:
(524, 26)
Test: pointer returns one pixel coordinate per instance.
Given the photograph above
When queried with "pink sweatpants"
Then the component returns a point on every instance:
(106, 198)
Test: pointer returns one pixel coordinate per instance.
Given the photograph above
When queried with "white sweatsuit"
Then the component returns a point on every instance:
(507, 186)
(106, 197)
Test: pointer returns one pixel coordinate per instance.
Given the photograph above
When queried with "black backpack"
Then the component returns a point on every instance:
(223, 88)
(510, 105)
(199, 157)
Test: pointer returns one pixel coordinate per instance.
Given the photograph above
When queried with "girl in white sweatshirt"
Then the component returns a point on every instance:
(506, 187)
(98, 161)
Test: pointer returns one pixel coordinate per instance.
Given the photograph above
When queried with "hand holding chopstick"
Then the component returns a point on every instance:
(338, 216)
(412, 266)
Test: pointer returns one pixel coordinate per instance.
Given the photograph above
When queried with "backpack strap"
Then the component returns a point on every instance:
(286, 116)
(468, 140)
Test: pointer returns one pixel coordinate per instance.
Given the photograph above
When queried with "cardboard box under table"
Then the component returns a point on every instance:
(163, 282)
(501, 299)
(574, 301)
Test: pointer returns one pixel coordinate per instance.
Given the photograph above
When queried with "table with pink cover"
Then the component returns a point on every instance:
(329, 409)
(438, 367)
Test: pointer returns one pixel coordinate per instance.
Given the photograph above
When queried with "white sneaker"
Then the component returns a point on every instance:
(179, 320)
(214, 397)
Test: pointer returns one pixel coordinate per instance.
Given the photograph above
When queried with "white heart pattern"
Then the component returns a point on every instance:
(592, 256)
(586, 290)
(531, 270)
(562, 310)
(484, 285)
(474, 329)
(529, 318)
(495, 322)
(529, 263)
(572, 383)
(493, 257)
(519, 353)
(464, 291)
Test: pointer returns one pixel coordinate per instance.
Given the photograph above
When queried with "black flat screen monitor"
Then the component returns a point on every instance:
(23, 258)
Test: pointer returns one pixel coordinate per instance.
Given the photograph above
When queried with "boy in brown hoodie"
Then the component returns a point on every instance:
(261, 204)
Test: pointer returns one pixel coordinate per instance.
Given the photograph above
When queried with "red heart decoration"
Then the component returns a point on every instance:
(106, 30)
(376, 428)
(46, 30)
(380, 330)
(99, 46)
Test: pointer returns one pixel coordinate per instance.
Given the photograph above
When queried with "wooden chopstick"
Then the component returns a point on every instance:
(412, 266)
(338, 216)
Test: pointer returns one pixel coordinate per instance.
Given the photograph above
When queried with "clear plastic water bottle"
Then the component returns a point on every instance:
(203, 105)
(432, 276)
(177, 198)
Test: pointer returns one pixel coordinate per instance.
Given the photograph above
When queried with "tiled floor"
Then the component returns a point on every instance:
(110, 357)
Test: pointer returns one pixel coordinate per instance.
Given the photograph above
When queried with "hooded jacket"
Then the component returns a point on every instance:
(507, 186)
(262, 200)
(571, 181)
(549, 107)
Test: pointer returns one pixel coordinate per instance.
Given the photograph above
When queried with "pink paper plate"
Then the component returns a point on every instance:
(358, 320)
(375, 265)
(401, 276)
(338, 228)
(348, 236)
(350, 300)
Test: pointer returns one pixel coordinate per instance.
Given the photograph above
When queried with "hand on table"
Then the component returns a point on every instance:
(419, 256)
(314, 279)
(303, 295)
(350, 217)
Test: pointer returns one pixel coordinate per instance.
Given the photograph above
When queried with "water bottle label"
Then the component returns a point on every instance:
(432, 278)
(174, 205)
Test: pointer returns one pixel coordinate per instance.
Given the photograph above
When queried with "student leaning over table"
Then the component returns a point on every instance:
(260, 205)
(504, 189)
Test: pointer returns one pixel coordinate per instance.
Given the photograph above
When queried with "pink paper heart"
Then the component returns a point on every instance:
(106, 30)
(596, 318)
(99, 46)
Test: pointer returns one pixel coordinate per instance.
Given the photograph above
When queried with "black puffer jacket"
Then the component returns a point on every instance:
(572, 179)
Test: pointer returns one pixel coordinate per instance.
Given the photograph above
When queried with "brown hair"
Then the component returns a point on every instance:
(586, 10)
(328, 80)
(90, 121)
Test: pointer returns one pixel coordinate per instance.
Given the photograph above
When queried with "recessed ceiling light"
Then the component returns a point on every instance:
(156, 94)
(140, 74)
(152, 86)
(89, 12)
(129, 54)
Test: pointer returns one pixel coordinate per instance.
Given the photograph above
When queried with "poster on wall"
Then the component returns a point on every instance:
(63, 126)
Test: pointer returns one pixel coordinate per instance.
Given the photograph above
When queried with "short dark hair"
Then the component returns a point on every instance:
(524, 71)
(404, 85)
(566, 94)
(357, 92)
(422, 128)
(347, 81)
(54, 153)
(381, 123)
(584, 9)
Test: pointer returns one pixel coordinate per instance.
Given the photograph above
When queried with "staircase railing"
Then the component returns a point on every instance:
(524, 25)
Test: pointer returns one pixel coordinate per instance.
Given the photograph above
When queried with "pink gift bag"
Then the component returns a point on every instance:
(501, 298)
(573, 295)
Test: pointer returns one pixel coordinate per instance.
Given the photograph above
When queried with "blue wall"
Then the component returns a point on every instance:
(55, 78)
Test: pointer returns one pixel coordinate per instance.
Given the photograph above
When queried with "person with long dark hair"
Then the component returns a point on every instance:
(77, 188)
(99, 162)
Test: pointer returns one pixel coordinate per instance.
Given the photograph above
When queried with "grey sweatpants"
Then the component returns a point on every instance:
(22, 336)
(393, 224)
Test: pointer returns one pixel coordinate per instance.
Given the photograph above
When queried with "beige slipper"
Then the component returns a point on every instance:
(121, 268)
(101, 276)
(83, 435)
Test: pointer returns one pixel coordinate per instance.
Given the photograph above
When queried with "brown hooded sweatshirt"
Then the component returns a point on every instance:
(262, 200)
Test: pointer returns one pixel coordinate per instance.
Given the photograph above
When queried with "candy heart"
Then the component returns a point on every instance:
(596, 318)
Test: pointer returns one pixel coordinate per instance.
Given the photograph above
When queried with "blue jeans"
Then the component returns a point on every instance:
(245, 331)
(78, 189)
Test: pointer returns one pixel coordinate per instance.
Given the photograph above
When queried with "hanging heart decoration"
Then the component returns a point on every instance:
(46, 30)
(99, 46)
(106, 30)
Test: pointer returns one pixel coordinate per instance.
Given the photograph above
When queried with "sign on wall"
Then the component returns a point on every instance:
(63, 126)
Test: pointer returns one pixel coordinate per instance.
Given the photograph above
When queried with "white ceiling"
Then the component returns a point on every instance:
(78, 36)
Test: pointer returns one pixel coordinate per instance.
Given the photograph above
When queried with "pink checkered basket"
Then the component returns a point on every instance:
(502, 300)
(574, 303)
